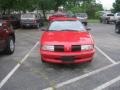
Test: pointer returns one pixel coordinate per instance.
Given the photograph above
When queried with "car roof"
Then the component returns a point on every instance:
(59, 14)
(64, 19)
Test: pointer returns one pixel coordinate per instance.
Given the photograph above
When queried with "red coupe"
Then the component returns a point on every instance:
(66, 41)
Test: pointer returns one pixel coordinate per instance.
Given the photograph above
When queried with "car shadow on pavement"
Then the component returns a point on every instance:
(66, 66)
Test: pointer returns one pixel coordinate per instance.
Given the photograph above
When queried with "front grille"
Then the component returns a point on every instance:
(27, 21)
(59, 48)
(76, 48)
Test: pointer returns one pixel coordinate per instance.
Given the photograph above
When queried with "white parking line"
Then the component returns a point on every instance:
(107, 84)
(88, 74)
(80, 77)
(110, 59)
(16, 67)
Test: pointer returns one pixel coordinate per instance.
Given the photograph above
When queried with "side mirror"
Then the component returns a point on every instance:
(88, 29)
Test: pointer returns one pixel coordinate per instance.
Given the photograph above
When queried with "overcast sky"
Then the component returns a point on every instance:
(107, 4)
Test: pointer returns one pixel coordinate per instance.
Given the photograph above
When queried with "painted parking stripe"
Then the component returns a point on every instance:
(8, 76)
(107, 84)
(104, 54)
(88, 74)
(81, 77)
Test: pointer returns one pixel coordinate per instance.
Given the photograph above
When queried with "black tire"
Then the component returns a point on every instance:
(106, 21)
(117, 29)
(10, 46)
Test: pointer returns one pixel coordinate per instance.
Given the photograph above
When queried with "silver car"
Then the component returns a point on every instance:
(82, 17)
(31, 19)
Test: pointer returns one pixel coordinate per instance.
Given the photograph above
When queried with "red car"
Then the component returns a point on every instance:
(7, 38)
(57, 15)
(66, 41)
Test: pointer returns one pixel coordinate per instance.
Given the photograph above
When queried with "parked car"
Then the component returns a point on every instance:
(7, 38)
(117, 26)
(107, 18)
(14, 20)
(31, 19)
(66, 41)
(117, 16)
(82, 17)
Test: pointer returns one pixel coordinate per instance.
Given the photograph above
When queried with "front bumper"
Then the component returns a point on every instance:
(56, 57)
(28, 24)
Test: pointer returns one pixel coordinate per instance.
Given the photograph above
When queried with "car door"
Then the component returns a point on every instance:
(2, 38)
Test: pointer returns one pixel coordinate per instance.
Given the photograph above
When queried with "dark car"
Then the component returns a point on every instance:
(117, 26)
(14, 20)
(7, 38)
(31, 20)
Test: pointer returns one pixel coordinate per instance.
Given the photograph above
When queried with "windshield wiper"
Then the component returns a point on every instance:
(68, 30)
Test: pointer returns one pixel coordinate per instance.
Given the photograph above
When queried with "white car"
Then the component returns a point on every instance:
(117, 16)
(107, 18)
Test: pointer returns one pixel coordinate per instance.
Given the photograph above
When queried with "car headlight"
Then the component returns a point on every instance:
(48, 47)
(86, 47)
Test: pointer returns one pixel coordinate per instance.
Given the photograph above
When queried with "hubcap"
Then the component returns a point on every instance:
(12, 45)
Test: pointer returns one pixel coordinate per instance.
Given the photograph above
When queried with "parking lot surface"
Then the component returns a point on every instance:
(32, 74)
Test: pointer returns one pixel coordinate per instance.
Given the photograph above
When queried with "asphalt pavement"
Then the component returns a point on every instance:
(24, 70)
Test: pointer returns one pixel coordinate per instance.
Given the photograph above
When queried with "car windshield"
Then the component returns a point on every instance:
(66, 25)
(27, 16)
(110, 14)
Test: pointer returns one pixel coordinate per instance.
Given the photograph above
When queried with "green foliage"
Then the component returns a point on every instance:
(88, 6)
(116, 6)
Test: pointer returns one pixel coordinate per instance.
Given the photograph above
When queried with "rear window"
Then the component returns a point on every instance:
(28, 16)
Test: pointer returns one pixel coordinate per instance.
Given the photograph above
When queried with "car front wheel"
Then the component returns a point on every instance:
(10, 46)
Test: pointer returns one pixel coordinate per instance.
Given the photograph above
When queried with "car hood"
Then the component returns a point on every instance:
(68, 37)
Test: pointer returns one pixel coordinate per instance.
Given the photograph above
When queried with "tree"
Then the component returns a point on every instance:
(59, 3)
(84, 6)
(116, 6)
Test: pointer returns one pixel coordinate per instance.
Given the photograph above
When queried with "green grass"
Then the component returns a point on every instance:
(93, 21)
